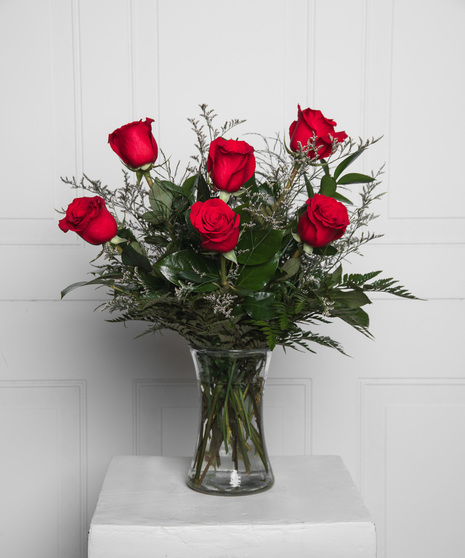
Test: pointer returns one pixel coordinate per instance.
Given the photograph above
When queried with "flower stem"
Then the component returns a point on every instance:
(295, 170)
(224, 279)
(212, 414)
(148, 178)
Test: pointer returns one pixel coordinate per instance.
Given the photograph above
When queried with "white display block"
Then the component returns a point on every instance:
(146, 510)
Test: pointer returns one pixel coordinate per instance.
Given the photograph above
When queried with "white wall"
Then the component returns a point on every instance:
(75, 390)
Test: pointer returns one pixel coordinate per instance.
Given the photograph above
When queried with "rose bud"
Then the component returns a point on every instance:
(311, 126)
(90, 219)
(134, 144)
(325, 220)
(230, 164)
(217, 224)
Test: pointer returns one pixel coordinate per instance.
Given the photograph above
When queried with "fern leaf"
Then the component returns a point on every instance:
(389, 286)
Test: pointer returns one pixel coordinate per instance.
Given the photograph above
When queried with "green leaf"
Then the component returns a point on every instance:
(74, 286)
(203, 191)
(325, 251)
(346, 162)
(133, 257)
(390, 286)
(231, 256)
(251, 183)
(127, 234)
(308, 249)
(351, 299)
(171, 187)
(309, 187)
(357, 279)
(261, 306)
(187, 189)
(341, 198)
(160, 201)
(357, 318)
(290, 268)
(328, 185)
(257, 247)
(355, 178)
(118, 240)
(157, 240)
(244, 213)
(180, 204)
(336, 277)
(101, 280)
(255, 277)
(151, 218)
(188, 265)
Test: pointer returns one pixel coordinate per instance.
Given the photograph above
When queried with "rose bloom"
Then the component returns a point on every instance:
(230, 164)
(134, 144)
(309, 124)
(217, 224)
(90, 219)
(325, 220)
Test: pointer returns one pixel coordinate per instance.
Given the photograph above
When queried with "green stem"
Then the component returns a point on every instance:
(149, 180)
(224, 279)
(289, 183)
(257, 437)
(226, 426)
(210, 460)
(208, 427)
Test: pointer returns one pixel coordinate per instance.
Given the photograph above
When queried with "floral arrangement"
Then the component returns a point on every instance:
(245, 249)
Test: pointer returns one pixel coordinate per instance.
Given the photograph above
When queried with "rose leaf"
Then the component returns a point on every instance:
(355, 178)
(328, 186)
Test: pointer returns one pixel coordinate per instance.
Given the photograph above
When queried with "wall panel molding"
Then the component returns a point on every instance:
(401, 105)
(409, 429)
(35, 115)
(44, 468)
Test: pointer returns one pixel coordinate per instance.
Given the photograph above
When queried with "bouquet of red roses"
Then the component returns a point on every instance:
(245, 249)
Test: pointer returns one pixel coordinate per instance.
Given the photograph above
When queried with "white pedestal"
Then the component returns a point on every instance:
(145, 510)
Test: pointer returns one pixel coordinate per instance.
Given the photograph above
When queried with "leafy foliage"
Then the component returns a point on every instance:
(270, 291)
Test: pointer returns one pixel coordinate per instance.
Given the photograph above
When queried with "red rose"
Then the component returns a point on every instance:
(90, 219)
(230, 164)
(325, 220)
(217, 224)
(309, 124)
(134, 144)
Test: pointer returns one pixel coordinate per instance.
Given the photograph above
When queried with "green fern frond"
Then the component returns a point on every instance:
(354, 280)
(389, 286)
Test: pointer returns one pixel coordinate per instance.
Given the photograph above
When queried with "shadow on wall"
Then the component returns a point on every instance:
(157, 355)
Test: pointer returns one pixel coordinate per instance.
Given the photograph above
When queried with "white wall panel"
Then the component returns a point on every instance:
(42, 463)
(339, 52)
(426, 120)
(37, 101)
(107, 81)
(413, 99)
(412, 459)
(237, 58)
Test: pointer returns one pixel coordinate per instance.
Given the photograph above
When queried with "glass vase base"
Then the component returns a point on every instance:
(232, 483)
(230, 456)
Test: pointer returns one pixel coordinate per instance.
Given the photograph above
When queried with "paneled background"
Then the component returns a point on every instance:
(75, 390)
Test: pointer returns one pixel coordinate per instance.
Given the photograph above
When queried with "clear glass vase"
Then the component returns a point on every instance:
(230, 456)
